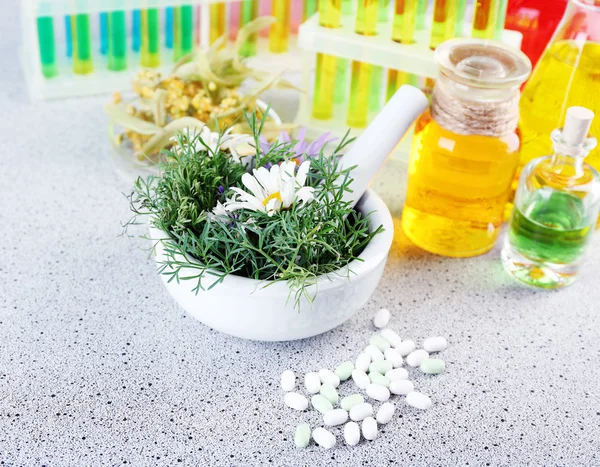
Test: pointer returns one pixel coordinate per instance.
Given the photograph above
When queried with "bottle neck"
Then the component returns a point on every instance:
(572, 155)
(469, 111)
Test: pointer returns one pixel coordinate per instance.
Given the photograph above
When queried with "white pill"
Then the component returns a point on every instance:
(363, 361)
(435, 344)
(385, 413)
(374, 353)
(418, 400)
(288, 380)
(361, 411)
(295, 401)
(323, 438)
(328, 376)
(335, 417)
(401, 387)
(396, 374)
(352, 433)
(382, 318)
(406, 347)
(392, 356)
(417, 357)
(377, 392)
(360, 378)
(369, 428)
(391, 337)
(312, 382)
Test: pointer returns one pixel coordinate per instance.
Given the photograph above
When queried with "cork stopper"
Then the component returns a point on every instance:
(577, 125)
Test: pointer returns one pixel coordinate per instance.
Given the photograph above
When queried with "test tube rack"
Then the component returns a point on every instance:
(415, 60)
(64, 50)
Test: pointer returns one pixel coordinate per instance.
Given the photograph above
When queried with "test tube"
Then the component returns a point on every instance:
(117, 41)
(218, 18)
(460, 18)
(234, 14)
(398, 78)
(248, 12)
(103, 17)
(501, 19)
(82, 44)
(444, 20)
(376, 88)
(280, 30)
(360, 81)
(183, 31)
(45, 30)
(297, 14)
(322, 108)
(383, 11)
(342, 67)
(136, 30)
(485, 18)
(265, 10)
(169, 27)
(149, 38)
(422, 13)
(405, 21)
(68, 36)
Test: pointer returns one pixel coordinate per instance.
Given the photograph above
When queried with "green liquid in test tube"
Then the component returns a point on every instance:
(422, 14)
(183, 29)
(310, 8)
(460, 18)
(149, 47)
(500, 19)
(342, 68)
(376, 89)
(117, 41)
(383, 13)
(248, 12)
(82, 44)
(47, 47)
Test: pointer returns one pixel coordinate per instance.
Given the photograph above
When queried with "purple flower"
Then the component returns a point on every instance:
(302, 149)
(221, 190)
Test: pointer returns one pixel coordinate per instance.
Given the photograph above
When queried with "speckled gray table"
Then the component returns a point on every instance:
(99, 366)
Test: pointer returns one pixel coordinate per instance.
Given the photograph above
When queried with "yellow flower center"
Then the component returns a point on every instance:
(275, 195)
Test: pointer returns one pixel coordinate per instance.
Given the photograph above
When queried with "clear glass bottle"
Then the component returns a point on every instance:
(465, 150)
(568, 74)
(556, 207)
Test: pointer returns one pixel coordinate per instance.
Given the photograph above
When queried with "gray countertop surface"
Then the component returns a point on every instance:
(99, 366)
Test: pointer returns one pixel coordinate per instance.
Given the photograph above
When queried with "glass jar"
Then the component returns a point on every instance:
(465, 151)
(568, 74)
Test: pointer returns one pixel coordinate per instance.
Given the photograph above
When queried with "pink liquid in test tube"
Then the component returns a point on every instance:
(264, 9)
(234, 19)
(296, 15)
(198, 24)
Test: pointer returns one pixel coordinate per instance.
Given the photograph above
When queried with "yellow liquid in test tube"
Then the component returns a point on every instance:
(445, 13)
(485, 18)
(322, 108)
(218, 20)
(405, 21)
(280, 30)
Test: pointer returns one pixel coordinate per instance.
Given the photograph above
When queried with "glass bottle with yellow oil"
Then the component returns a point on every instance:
(465, 150)
(568, 74)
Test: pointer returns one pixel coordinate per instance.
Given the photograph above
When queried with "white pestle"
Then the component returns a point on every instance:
(371, 149)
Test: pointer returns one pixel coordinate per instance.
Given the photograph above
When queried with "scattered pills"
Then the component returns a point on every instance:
(288, 380)
(378, 378)
(350, 401)
(361, 411)
(385, 413)
(362, 362)
(433, 366)
(295, 401)
(418, 400)
(380, 366)
(377, 392)
(302, 436)
(323, 438)
(321, 404)
(328, 376)
(312, 382)
(406, 347)
(374, 353)
(344, 370)
(396, 373)
(391, 337)
(401, 387)
(369, 428)
(379, 342)
(329, 393)
(382, 318)
(360, 378)
(335, 417)
(392, 356)
(435, 344)
(417, 357)
(351, 433)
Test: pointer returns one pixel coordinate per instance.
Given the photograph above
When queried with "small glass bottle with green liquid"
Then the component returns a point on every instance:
(556, 208)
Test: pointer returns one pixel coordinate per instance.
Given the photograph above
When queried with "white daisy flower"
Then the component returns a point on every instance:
(220, 214)
(272, 190)
(206, 140)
